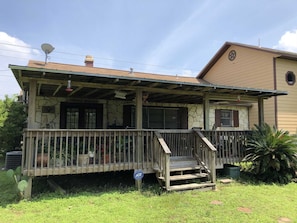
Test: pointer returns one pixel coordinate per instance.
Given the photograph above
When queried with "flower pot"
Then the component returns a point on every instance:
(83, 159)
(42, 159)
(59, 162)
(105, 159)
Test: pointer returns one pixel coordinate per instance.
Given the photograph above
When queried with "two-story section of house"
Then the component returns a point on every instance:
(256, 67)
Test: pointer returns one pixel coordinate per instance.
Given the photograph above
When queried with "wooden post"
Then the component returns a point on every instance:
(138, 121)
(31, 125)
(206, 111)
(167, 171)
(138, 184)
(261, 111)
(213, 166)
(32, 104)
(28, 190)
(138, 109)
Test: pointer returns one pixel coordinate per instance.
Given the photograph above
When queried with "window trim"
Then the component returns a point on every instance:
(293, 77)
(234, 118)
(81, 107)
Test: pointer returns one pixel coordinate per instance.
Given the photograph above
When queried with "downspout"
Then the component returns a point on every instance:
(275, 97)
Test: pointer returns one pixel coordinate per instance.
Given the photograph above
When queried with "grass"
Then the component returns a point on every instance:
(91, 199)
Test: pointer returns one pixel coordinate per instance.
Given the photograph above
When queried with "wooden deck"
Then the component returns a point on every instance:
(59, 152)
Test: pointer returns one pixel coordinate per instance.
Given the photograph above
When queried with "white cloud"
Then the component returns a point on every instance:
(188, 73)
(288, 41)
(12, 51)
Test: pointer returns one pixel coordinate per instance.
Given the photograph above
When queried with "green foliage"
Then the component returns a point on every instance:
(20, 182)
(12, 120)
(273, 154)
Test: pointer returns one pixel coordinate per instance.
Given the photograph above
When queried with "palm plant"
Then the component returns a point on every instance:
(273, 154)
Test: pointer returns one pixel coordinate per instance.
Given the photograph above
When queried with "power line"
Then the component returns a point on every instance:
(95, 57)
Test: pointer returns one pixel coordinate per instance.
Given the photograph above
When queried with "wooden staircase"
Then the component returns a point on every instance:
(186, 174)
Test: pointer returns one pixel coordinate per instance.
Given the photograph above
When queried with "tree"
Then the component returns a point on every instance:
(12, 121)
(273, 154)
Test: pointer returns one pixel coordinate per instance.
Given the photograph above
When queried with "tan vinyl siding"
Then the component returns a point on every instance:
(269, 115)
(286, 105)
(251, 68)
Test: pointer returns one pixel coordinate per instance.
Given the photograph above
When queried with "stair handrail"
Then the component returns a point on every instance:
(164, 158)
(211, 153)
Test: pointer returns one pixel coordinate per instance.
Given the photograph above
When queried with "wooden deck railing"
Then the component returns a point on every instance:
(192, 143)
(162, 158)
(230, 145)
(58, 152)
(205, 153)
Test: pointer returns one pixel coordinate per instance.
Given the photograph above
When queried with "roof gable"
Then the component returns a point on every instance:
(227, 45)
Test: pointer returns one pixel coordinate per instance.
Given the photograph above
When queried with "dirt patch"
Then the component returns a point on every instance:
(216, 202)
(284, 220)
(244, 209)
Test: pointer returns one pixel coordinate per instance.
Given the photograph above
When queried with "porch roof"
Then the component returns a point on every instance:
(101, 83)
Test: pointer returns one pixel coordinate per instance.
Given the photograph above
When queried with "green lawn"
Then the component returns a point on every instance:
(235, 202)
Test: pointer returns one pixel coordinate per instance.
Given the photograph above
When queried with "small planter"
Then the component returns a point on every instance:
(59, 162)
(105, 159)
(232, 171)
(42, 159)
(83, 159)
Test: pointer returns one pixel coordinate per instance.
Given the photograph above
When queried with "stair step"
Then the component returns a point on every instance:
(192, 186)
(188, 176)
(181, 166)
(185, 176)
(184, 168)
(181, 158)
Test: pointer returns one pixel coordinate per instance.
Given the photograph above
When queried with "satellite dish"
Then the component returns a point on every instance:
(47, 49)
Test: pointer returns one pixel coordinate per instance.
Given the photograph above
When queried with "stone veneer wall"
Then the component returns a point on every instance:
(113, 113)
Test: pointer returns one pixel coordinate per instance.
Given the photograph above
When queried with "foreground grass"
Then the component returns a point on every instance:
(235, 202)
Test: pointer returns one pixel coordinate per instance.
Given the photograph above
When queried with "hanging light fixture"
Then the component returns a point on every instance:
(120, 94)
(69, 89)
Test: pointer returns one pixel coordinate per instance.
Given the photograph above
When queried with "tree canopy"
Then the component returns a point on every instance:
(12, 122)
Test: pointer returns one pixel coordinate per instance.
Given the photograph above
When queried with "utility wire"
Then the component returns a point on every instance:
(80, 55)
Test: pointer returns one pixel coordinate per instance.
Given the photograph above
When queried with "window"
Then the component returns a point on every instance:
(226, 118)
(290, 78)
(81, 116)
(158, 117)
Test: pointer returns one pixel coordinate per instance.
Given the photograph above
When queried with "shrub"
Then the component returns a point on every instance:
(273, 154)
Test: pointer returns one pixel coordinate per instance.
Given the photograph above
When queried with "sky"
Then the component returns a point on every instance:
(166, 37)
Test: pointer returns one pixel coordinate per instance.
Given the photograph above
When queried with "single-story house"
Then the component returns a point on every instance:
(84, 119)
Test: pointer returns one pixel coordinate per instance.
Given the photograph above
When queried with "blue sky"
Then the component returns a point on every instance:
(169, 36)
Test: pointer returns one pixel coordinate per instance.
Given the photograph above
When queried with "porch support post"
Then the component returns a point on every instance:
(138, 109)
(32, 104)
(261, 110)
(139, 145)
(206, 111)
